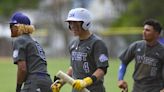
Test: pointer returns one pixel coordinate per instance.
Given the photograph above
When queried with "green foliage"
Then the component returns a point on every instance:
(140, 10)
(8, 74)
(131, 17)
(7, 7)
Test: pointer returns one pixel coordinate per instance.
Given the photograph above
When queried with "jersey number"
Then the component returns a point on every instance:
(86, 67)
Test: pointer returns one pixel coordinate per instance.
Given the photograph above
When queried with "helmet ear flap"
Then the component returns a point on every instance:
(86, 25)
(69, 27)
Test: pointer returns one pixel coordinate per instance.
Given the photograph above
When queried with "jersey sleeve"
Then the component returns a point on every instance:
(19, 53)
(101, 54)
(128, 54)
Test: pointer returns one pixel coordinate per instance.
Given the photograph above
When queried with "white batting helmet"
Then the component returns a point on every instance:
(80, 14)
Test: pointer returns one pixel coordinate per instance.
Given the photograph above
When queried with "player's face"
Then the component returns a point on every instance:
(13, 30)
(149, 34)
(76, 27)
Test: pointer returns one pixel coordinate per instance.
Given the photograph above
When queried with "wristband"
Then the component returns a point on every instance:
(94, 78)
(18, 89)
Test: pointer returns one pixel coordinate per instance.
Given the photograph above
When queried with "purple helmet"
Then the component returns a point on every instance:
(20, 18)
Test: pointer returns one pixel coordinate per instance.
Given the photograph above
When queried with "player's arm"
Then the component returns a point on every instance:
(126, 57)
(99, 73)
(21, 74)
(121, 83)
(100, 55)
(122, 70)
(79, 84)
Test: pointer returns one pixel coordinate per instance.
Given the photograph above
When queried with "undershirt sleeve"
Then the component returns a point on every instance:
(19, 53)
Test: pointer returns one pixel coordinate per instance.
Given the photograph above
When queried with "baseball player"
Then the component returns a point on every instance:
(149, 60)
(89, 55)
(29, 56)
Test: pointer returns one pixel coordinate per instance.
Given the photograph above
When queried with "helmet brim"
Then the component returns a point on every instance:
(73, 19)
(13, 22)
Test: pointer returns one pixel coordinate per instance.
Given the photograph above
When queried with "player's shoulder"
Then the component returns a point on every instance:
(21, 39)
(139, 42)
(161, 45)
(96, 38)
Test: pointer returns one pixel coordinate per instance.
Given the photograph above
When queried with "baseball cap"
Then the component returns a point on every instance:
(19, 18)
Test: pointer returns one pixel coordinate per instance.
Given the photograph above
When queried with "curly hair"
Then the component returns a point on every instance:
(24, 29)
(155, 24)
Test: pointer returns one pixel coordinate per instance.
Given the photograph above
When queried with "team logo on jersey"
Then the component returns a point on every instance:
(15, 53)
(103, 58)
(79, 56)
(73, 46)
(147, 60)
(138, 49)
(38, 90)
(88, 48)
(157, 53)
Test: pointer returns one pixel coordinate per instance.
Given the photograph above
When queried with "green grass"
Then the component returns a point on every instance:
(8, 74)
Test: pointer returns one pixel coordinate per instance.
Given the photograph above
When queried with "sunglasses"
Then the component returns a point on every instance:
(11, 25)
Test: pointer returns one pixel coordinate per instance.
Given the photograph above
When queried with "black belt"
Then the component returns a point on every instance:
(40, 74)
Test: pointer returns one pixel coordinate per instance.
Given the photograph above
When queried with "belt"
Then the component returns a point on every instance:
(39, 74)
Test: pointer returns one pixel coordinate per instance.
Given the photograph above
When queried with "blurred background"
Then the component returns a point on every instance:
(118, 22)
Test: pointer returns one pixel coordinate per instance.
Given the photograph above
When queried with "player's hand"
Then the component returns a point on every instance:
(162, 90)
(56, 86)
(18, 88)
(80, 84)
(58, 83)
(123, 85)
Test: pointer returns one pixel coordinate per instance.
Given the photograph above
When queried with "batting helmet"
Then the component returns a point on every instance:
(20, 18)
(80, 14)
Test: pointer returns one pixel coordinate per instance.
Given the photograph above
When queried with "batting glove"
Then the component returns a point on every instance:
(80, 84)
(58, 83)
(56, 86)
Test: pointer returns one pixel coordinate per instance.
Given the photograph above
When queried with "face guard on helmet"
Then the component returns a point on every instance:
(80, 14)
